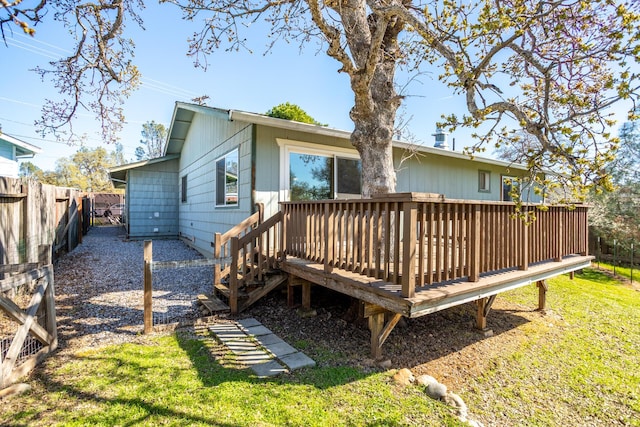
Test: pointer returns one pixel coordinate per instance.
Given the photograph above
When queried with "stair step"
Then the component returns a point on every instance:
(224, 291)
(213, 304)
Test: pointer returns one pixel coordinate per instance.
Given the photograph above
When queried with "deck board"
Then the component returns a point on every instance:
(436, 296)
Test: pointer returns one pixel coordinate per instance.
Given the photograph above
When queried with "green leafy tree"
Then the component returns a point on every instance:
(154, 136)
(548, 67)
(293, 112)
(616, 214)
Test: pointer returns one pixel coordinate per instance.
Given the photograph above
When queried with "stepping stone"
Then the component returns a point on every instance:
(240, 346)
(267, 340)
(249, 322)
(269, 369)
(297, 360)
(281, 349)
(253, 357)
(230, 336)
(258, 331)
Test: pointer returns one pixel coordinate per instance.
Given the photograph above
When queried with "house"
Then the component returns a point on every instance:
(12, 150)
(218, 164)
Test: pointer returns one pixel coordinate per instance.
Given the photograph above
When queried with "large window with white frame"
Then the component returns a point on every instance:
(227, 179)
(312, 173)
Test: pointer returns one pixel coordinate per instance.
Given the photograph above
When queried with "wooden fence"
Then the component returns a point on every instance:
(26, 298)
(32, 214)
(413, 239)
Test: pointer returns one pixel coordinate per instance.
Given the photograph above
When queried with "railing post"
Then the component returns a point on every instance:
(217, 248)
(233, 276)
(476, 238)
(329, 246)
(409, 236)
(148, 287)
(559, 233)
(524, 227)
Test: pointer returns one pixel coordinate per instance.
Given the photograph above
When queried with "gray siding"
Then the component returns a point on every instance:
(209, 138)
(455, 178)
(152, 205)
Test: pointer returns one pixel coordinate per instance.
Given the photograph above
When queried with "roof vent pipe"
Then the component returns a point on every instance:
(441, 139)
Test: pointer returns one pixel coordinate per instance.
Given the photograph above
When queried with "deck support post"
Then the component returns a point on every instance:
(379, 329)
(148, 287)
(543, 287)
(306, 295)
(484, 307)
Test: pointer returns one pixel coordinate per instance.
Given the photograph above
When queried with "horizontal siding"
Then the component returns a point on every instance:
(153, 200)
(455, 178)
(210, 138)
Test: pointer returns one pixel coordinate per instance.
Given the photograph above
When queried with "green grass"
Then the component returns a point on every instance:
(175, 381)
(580, 362)
(622, 271)
(576, 365)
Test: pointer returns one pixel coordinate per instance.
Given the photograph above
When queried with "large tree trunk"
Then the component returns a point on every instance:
(372, 138)
(376, 100)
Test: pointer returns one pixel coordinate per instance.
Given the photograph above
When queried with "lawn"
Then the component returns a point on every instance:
(578, 365)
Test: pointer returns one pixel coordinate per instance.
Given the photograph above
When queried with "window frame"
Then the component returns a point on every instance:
(287, 147)
(514, 180)
(183, 188)
(216, 193)
(487, 180)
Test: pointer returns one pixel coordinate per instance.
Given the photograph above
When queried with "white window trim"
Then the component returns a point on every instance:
(288, 146)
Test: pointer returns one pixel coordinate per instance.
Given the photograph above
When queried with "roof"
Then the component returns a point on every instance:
(22, 148)
(184, 112)
(118, 174)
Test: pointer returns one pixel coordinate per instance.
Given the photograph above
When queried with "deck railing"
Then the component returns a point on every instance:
(415, 239)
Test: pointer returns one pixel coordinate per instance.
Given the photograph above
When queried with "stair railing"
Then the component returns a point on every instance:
(254, 254)
(222, 243)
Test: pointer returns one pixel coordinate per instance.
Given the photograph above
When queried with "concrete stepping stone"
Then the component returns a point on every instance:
(254, 345)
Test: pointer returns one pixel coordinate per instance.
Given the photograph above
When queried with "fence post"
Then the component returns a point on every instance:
(410, 235)
(148, 287)
(50, 307)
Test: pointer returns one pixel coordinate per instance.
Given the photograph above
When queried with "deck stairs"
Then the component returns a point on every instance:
(248, 262)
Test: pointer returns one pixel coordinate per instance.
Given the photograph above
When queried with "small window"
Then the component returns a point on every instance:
(227, 179)
(184, 189)
(484, 181)
(509, 185)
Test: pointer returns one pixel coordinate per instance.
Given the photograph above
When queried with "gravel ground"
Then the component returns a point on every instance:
(99, 288)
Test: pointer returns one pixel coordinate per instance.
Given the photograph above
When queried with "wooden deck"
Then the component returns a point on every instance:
(405, 254)
(429, 298)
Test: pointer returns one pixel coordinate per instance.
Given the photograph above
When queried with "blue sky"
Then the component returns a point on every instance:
(238, 80)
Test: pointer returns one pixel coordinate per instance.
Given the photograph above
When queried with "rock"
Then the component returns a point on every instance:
(436, 390)
(307, 313)
(404, 377)
(425, 380)
(385, 364)
(487, 333)
(456, 401)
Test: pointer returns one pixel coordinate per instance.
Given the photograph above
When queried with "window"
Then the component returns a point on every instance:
(509, 184)
(227, 179)
(484, 181)
(318, 177)
(184, 189)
